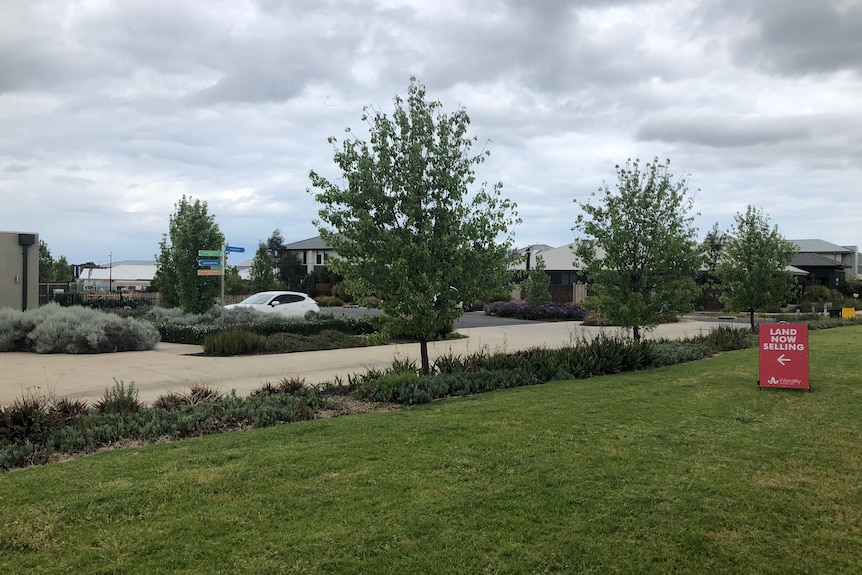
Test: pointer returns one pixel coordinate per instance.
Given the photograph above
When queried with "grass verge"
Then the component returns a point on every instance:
(687, 469)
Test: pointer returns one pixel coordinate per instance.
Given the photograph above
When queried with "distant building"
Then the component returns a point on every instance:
(825, 262)
(312, 253)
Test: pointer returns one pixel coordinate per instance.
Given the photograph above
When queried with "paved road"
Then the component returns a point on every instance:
(173, 367)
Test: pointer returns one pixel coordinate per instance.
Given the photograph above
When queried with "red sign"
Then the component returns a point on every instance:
(784, 355)
(209, 272)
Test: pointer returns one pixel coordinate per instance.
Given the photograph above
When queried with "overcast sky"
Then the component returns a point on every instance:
(111, 110)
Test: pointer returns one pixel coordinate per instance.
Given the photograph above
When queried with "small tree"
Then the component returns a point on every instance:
(261, 274)
(638, 247)
(406, 226)
(51, 270)
(234, 284)
(712, 248)
(190, 229)
(538, 284)
(292, 272)
(753, 271)
(46, 263)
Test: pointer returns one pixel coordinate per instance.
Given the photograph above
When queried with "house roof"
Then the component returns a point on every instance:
(314, 243)
(811, 260)
(557, 259)
(820, 246)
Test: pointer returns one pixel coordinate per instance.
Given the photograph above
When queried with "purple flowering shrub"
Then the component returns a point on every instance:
(520, 309)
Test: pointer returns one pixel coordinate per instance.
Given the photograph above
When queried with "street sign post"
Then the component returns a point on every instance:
(209, 262)
(784, 356)
(234, 249)
(209, 253)
(216, 272)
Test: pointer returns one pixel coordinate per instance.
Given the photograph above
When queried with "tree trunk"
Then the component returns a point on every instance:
(636, 333)
(423, 351)
(751, 319)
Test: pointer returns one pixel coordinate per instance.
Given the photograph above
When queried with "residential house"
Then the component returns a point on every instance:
(568, 282)
(312, 253)
(826, 263)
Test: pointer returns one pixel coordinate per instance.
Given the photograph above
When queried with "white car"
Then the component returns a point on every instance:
(286, 303)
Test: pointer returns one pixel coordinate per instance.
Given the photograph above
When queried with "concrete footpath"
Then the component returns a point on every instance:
(174, 367)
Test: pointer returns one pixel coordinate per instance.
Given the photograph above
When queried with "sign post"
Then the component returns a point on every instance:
(224, 253)
(784, 356)
(213, 267)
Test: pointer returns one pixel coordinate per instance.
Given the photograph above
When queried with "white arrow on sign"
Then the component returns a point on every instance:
(782, 360)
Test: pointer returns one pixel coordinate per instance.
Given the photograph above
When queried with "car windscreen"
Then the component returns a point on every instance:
(258, 298)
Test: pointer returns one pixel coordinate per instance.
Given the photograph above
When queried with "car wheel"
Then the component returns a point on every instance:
(310, 315)
(467, 306)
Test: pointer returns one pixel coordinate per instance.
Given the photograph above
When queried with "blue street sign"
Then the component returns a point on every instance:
(209, 262)
(233, 249)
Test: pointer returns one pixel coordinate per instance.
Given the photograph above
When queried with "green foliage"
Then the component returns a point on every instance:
(119, 399)
(55, 329)
(638, 247)
(545, 311)
(261, 275)
(234, 284)
(190, 229)
(405, 225)
(753, 270)
(329, 301)
(235, 341)
(197, 393)
(371, 302)
(51, 270)
(537, 287)
(718, 340)
(176, 326)
(34, 429)
(713, 249)
(326, 339)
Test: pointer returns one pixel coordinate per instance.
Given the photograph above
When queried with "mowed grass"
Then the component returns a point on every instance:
(688, 469)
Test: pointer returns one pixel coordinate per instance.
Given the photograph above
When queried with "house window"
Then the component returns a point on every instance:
(321, 258)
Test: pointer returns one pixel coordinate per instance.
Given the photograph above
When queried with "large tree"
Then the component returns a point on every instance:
(405, 224)
(753, 270)
(261, 275)
(190, 229)
(637, 246)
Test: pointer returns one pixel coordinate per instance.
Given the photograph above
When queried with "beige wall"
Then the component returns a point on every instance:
(12, 271)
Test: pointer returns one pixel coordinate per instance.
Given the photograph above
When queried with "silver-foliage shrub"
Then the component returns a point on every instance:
(55, 329)
(215, 315)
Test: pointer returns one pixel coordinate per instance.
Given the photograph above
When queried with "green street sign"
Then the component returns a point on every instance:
(209, 253)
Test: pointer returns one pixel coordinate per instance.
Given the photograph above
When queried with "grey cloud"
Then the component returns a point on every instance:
(797, 37)
(722, 131)
(16, 169)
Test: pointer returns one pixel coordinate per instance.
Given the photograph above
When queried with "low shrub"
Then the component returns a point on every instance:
(235, 341)
(198, 393)
(55, 329)
(177, 327)
(109, 423)
(548, 311)
(120, 399)
(595, 318)
(329, 301)
(371, 302)
(327, 339)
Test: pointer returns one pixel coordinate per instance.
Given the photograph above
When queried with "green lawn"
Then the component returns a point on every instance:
(688, 469)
